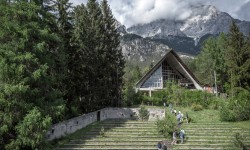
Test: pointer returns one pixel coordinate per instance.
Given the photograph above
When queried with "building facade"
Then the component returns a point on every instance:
(169, 68)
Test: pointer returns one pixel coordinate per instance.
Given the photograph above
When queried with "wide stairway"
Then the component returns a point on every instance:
(118, 135)
(138, 135)
(212, 136)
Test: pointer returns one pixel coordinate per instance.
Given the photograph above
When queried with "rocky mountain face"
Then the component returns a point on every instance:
(142, 51)
(202, 21)
(184, 36)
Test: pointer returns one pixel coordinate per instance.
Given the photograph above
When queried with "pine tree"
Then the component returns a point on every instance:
(246, 65)
(235, 58)
(98, 61)
(62, 9)
(30, 96)
(87, 41)
(114, 58)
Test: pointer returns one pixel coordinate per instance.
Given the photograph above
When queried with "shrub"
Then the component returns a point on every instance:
(131, 97)
(166, 126)
(239, 141)
(102, 132)
(143, 113)
(196, 107)
(216, 103)
(226, 114)
(238, 107)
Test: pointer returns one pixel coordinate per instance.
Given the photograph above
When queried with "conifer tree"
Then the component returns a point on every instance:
(113, 59)
(236, 58)
(99, 59)
(86, 43)
(30, 98)
(62, 9)
(212, 59)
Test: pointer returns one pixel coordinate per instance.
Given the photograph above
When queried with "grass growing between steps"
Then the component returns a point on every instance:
(76, 135)
(242, 124)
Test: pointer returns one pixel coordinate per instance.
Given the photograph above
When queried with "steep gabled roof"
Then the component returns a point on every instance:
(156, 66)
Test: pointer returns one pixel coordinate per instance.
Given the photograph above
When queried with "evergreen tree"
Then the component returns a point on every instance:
(98, 59)
(113, 57)
(246, 66)
(237, 59)
(88, 42)
(211, 59)
(62, 9)
(81, 59)
(30, 96)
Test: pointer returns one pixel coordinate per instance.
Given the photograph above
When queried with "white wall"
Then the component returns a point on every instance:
(69, 126)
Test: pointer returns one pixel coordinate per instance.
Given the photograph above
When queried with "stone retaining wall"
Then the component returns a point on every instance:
(69, 126)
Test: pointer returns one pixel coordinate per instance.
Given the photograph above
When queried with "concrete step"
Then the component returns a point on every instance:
(117, 140)
(217, 131)
(153, 148)
(109, 146)
(129, 122)
(113, 144)
(120, 133)
(205, 146)
(125, 130)
(127, 136)
(123, 139)
(213, 134)
(211, 128)
(126, 127)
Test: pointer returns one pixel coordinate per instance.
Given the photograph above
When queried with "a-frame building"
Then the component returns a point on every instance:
(170, 67)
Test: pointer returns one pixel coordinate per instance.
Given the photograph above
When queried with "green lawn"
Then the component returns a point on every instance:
(243, 124)
(206, 115)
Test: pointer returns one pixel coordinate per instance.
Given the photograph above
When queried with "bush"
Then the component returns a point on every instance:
(143, 113)
(196, 107)
(131, 97)
(238, 107)
(166, 126)
(239, 141)
(102, 132)
(216, 103)
(226, 114)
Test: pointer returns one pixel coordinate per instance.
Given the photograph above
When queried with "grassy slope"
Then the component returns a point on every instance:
(206, 115)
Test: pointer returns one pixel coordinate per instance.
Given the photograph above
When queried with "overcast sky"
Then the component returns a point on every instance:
(130, 12)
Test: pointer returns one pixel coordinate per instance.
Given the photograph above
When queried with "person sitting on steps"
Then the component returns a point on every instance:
(159, 146)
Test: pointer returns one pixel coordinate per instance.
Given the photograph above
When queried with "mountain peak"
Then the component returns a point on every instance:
(205, 11)
(203, 20)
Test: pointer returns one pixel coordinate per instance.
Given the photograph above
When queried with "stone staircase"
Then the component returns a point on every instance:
(118, 135)
(211, 136)
(138, 135)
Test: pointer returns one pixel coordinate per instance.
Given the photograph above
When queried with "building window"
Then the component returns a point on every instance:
(155, 80)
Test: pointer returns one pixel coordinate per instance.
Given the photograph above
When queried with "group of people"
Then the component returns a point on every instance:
(181, 134)
(180, 118)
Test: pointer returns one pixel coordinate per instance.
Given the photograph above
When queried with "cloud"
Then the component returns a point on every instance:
(131, 12)
(243, 11)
